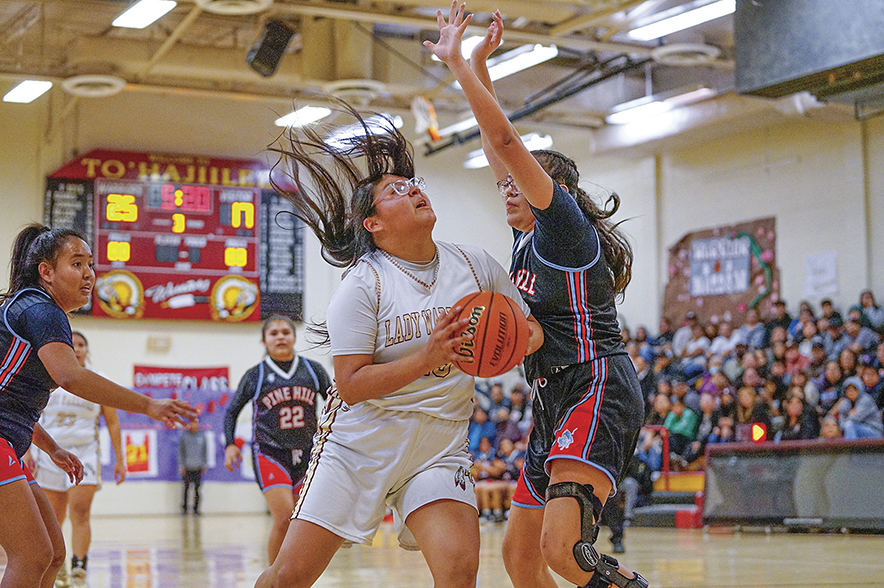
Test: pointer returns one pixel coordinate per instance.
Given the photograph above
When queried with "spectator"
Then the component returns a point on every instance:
(829, 428)
(752, 332)
(848, 363)
(726, 341)
(488, 469)
(684, 392)
(801, 421)
(641, 339)
(681, 422)
(818, 359)
(663, 340)
(498, 400)
(716, 384)
(834, 339)
(873, 313)
(520, 413)
(709, 415)
(779, 318)
(693, 355)
(683, 334)
(662, 406)
(830, 386)
(480, 427)
(810, 393)
(794, 361)
(859, 339)
(808, 337)
(733, 366)
(874, 385)
(878, 360)
(828, 310)
(506, 427)
(749, 411)
(723, 432)
(193, 461)
(860, 417)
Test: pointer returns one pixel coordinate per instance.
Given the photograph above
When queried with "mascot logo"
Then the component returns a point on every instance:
(120, 294)
(233, 299)
(461, 477)
(565, 440)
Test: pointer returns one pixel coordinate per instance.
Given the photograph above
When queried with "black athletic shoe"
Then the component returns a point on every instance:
(618, 547)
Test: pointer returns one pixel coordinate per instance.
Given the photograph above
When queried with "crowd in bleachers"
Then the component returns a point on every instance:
(816, 375)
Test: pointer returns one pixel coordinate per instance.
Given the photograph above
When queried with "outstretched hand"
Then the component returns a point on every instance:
(171, 411)
(450, 33)
(232, 457)
(491, 41)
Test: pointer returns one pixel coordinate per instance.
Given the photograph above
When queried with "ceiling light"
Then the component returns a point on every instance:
(27, 91)
(678, 19)
(532, 141)
(466, 47)
(144, 13)
(467, 123)
(649, 106)
(303, 116)
(342, 138)
(518, 59)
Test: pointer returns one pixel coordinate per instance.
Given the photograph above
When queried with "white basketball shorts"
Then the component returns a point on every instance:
(51, 477)
(366, 459)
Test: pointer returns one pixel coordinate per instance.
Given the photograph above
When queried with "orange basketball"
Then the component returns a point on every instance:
(500, 334)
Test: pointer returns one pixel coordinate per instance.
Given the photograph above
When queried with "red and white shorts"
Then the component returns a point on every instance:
(12, 468)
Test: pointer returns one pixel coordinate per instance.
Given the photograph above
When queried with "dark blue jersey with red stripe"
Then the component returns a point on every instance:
(31, 319)
(560, 270)
(283, 403)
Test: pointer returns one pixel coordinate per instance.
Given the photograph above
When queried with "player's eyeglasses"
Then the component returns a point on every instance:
(403, 187)
(507, 184)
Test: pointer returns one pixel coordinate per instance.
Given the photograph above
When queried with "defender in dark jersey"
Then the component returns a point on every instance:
(569, 264)
(51, 275)
(283, 390)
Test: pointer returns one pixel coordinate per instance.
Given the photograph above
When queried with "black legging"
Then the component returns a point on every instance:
(194, 477)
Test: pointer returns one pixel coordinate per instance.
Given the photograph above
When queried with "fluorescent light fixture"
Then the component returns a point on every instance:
(649, 106)
(378, 124)
(678, 19)
(476, 159)
(144, 13)
(466, 47)
(518, 59)
(303, 116)
(27, 91)
(465, 124)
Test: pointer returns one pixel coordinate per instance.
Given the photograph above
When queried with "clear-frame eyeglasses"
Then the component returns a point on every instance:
(507, 183)
(403, 187)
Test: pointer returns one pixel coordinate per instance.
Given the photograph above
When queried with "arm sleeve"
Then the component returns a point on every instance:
(563, 235)
(352, 317)
(243, 394)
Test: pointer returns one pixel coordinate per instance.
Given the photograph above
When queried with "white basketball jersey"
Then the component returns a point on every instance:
(379, 309)
(69, 419)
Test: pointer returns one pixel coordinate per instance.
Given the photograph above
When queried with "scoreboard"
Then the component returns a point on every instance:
(168, 243)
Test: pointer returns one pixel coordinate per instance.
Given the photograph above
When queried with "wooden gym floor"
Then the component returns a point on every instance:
(229, 552)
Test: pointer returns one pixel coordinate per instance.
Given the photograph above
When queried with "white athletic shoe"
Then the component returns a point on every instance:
(61, 578)
(78, 578)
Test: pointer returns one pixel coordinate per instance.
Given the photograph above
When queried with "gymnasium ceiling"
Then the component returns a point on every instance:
(368, 51)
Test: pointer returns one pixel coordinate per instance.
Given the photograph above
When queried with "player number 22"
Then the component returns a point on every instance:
(291, 417)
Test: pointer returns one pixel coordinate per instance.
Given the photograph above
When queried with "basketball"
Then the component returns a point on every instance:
(500, 334)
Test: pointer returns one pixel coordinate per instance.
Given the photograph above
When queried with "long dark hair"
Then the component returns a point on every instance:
(617, 250)
(334, 195)
(34, 245)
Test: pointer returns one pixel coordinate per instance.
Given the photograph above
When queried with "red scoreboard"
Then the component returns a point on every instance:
(179, 236)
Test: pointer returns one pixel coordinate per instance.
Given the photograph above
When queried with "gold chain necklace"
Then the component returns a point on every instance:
(411, 275)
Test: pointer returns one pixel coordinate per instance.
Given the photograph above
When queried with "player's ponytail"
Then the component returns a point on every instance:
(615, 247)
(34, 245)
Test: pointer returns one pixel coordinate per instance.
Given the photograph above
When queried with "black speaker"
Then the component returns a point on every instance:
(266, 54)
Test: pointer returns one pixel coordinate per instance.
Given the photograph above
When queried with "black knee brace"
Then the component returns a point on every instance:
(606, 569)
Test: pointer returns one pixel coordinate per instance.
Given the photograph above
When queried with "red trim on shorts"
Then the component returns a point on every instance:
(12, 469)
(271, 473)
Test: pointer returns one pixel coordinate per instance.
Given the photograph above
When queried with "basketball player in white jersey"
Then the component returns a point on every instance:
(394, 431)
(73, 423)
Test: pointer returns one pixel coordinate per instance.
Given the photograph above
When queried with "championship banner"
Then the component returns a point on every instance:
(721, 272)
(178, 236)
(151, 448)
